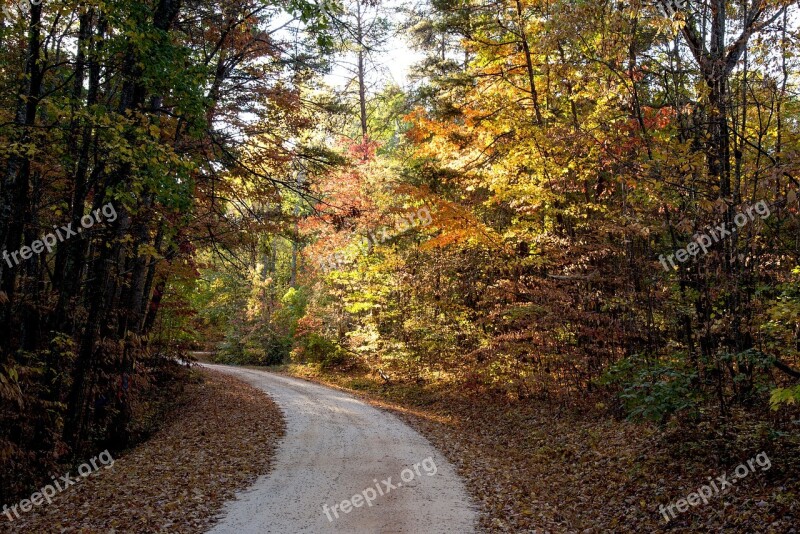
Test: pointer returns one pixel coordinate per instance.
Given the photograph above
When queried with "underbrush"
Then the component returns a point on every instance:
(134, 406)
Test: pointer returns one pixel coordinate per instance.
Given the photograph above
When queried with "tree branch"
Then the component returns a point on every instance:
(785, 368)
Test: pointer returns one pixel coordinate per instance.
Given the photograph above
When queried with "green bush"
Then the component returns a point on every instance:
(314, 348)
(653, 390)
(261, 347)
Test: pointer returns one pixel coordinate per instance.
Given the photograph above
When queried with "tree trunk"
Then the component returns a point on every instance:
(362, 90)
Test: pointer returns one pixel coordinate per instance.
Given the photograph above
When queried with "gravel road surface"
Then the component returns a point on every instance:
(336, 447)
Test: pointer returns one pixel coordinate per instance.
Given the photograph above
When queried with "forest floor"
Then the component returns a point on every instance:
(539, 467)
(221, 436)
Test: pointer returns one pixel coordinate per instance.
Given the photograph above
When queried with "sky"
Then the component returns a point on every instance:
(395, 60)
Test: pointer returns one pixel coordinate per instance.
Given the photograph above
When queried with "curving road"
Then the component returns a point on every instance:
(337, 447)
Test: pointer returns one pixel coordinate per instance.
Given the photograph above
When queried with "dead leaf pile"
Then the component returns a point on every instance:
(221, 438)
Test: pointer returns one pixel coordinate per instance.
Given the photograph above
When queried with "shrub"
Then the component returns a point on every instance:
(653, 390)
(314, 348)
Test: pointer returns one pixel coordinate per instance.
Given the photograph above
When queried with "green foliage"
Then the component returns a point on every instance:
(252, 313)
(253, 339)
(654, 391)
(314, 348)
(262, 346)
(781, 396)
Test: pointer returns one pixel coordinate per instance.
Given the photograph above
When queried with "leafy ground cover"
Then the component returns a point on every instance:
(219, 439)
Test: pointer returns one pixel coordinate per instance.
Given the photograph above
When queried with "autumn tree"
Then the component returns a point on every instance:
(171, 125)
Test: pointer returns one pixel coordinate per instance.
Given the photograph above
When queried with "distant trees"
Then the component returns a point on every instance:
(565, 147)
(362, 29)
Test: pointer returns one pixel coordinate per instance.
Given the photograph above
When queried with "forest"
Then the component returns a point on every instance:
(580, 206)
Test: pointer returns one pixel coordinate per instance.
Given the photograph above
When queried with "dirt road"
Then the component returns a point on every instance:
(342, 457)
